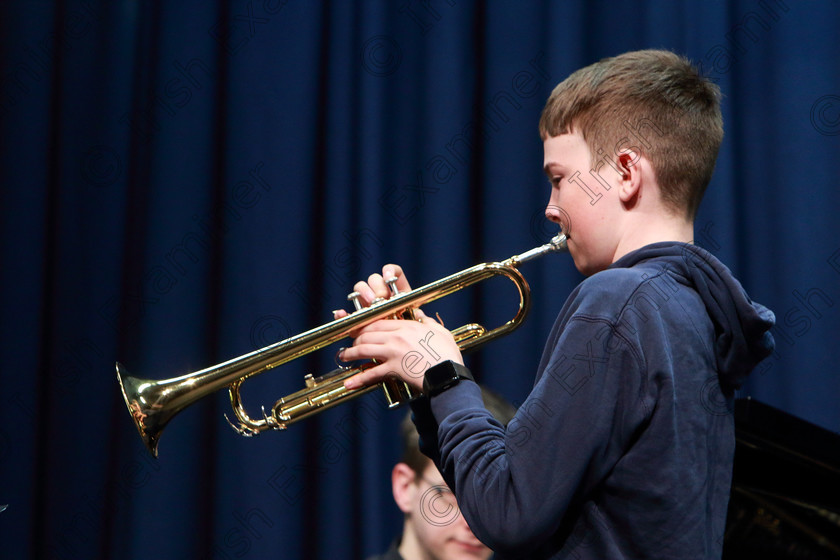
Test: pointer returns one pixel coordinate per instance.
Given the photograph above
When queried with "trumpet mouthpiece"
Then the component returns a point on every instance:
(559, 242)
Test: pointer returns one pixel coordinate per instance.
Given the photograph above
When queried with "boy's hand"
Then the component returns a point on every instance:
(401, 348)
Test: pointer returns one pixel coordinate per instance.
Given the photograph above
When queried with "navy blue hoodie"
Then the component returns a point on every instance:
(624, 447)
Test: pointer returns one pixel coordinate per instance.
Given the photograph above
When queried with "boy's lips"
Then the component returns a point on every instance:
(472, 546)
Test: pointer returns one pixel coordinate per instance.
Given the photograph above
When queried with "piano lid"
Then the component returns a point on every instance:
(785, 500)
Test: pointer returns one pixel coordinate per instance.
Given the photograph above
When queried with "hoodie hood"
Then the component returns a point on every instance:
(742, 327)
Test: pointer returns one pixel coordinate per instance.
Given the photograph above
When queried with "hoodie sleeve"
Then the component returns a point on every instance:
(515, 485)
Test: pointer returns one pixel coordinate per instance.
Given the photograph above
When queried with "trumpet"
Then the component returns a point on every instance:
(152, 404)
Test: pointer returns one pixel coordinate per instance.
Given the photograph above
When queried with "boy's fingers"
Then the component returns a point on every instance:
(395, 271)
(365, 292)
(378, 286)
(370, 376)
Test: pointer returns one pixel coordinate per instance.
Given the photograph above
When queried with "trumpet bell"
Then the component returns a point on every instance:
(146, 422)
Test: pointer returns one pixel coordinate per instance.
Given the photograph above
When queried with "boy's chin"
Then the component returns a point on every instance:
(585, 267)
(589, 271)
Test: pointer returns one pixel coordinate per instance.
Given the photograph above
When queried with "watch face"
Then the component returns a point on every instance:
(442, 376)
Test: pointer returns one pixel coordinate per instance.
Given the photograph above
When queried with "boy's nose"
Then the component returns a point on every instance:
(553, 213)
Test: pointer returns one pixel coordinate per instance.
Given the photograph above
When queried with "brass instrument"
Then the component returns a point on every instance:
(152, 404)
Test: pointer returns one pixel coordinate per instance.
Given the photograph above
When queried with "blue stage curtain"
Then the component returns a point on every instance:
(185, 182)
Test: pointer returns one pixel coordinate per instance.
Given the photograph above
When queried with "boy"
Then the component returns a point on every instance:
(613, 454)
(433, 528)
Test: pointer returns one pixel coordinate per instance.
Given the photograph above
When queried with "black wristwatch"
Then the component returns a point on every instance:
(444, 375)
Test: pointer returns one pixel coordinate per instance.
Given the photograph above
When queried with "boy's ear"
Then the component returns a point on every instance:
(403, 486)
(630, 166)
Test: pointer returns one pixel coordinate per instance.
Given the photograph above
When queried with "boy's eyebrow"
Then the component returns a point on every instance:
(547, 167)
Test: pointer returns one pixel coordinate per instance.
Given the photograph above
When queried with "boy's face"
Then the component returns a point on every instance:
(439, 530)
(580, 203)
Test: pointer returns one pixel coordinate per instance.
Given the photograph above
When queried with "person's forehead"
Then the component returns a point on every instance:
(559, 149)
(569, 140)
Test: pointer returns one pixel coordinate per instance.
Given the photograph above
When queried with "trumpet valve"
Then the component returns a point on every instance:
(397, 392)
(354, 297)
(392, 285)
(408, 392)
(408, 313)
(391, 389)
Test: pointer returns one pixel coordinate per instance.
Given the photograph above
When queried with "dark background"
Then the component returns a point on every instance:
(184, 182)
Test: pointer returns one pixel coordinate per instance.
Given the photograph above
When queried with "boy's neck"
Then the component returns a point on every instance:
(410, 547)
(646, 232)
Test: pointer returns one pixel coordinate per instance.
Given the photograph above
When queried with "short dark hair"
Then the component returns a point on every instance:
(500, 408)
(655, 90)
